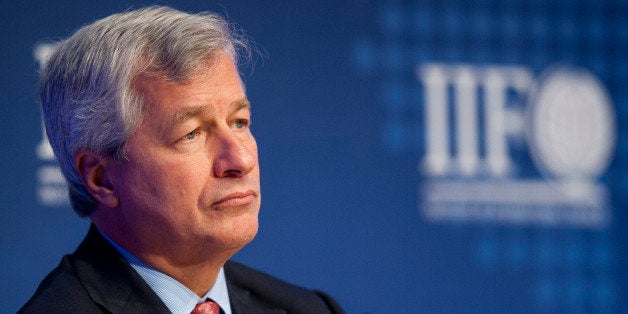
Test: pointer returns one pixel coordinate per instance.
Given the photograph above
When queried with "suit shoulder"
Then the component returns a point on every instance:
(268, 289)
(60, 291)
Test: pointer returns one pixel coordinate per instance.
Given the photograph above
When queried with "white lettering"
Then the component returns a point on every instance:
(571, 134)
(467, 81)
(437, 158)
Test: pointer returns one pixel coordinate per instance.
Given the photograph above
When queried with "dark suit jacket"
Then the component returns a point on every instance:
(97, 279)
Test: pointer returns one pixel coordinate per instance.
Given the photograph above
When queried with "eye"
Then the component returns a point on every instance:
(240, 123)
(190, 136)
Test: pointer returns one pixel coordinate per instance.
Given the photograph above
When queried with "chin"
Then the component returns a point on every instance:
(237, 235)
(247, 232)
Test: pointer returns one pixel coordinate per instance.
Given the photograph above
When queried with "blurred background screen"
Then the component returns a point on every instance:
(416, 156)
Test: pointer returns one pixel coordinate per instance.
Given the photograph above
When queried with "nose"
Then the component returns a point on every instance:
(236, 156)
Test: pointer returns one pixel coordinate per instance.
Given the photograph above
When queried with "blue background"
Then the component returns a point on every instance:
(340, 183)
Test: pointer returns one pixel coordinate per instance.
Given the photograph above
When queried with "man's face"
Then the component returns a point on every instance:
(191, 180)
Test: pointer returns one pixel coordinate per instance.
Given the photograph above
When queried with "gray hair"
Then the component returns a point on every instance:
(87, 95)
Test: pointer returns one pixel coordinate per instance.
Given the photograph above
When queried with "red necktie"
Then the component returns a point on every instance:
(207, 307)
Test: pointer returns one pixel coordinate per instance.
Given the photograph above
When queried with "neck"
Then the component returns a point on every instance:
(194, 266)
(196, 269)
(199, 278)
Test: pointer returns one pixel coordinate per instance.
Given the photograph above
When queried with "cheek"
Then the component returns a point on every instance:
(183, 178)
(162, 184)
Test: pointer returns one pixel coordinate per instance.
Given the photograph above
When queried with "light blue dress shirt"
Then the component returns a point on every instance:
(177, 297)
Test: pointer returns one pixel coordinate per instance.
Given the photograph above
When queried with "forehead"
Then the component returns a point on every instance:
(212, 84)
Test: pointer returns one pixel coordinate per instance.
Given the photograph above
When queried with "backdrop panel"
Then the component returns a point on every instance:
(416, 156)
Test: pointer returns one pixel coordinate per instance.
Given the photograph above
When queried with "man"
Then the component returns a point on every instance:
(149, 121)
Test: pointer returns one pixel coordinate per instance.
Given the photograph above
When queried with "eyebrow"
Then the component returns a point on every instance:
(190, 113)
(241, 104)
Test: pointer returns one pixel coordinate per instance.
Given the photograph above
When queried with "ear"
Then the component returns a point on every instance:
(92, 168)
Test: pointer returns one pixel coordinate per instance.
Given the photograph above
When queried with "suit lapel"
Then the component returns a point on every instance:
(109, 279)
(242, 301)
(242, 298)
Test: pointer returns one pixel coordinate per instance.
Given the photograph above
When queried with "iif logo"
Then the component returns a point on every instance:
(566, 119)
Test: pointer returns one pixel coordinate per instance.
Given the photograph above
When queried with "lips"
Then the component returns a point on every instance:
(236, 199)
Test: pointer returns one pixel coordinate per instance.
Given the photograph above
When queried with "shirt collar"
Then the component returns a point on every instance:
(176, 296)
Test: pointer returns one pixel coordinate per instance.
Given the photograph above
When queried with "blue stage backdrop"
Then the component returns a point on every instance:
(417, 156)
